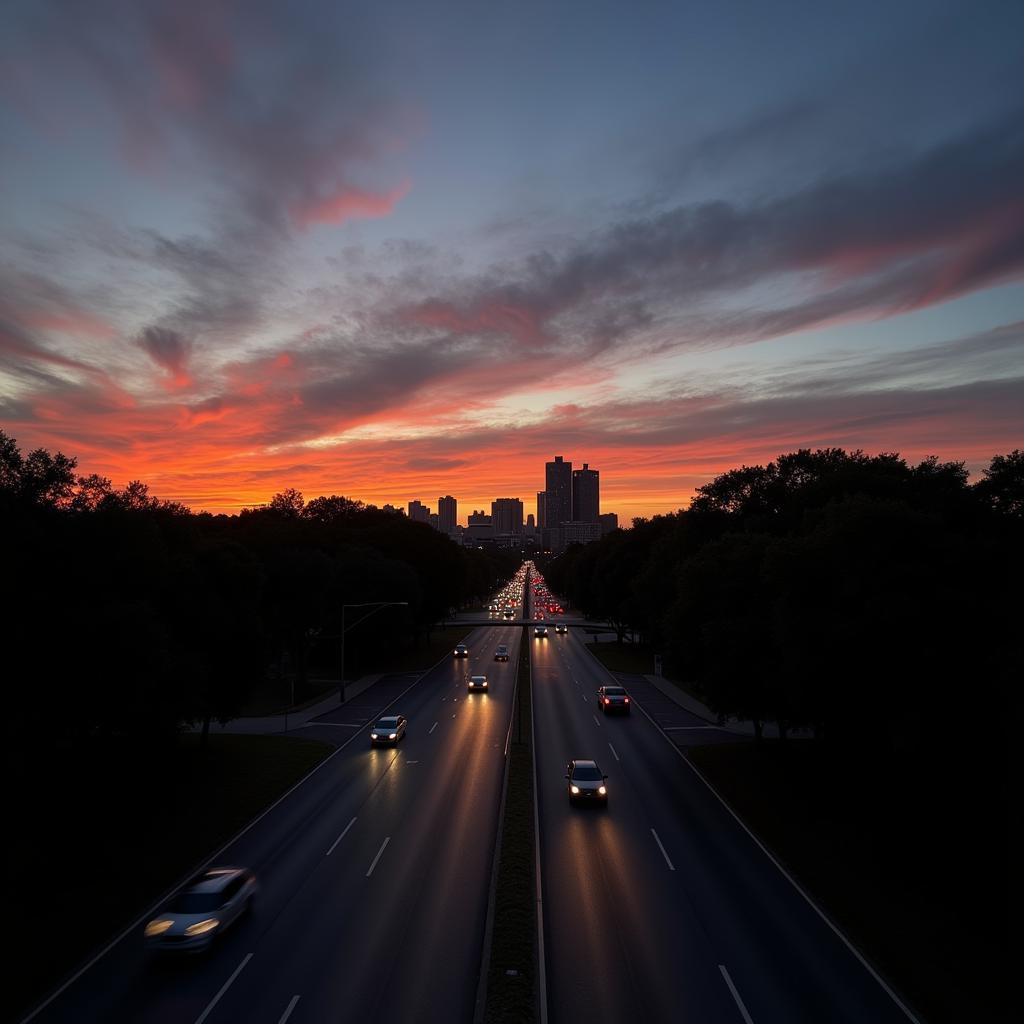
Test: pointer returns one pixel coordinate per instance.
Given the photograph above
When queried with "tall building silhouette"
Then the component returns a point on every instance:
(507, 515)
(586, 495)
(558, 487)
(418, 512)
(542, 504)
(447, 514)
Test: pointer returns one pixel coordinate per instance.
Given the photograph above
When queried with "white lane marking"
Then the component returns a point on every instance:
(732, 988)
(288, 1011)
(432, 728)
(453, 716)
(671, 866)
(387, 839)
(342, 836)
(148, 914)
(412, 762)
(614, 753)
(596, 722)
(227, 984)
(688, 728)
(584, 696)
(337, 725)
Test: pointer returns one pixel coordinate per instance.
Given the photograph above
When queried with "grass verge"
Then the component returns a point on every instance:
(636, 659)
(881, 861)
(104, 830)
(272, 697)
(512, 998)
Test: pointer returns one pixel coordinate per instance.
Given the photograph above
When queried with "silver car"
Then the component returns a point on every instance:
(586, 783)
(203, 910)
(389, 729)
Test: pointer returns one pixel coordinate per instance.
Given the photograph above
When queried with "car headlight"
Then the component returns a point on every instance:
(574, 789)
(157, 927)
(374, 736)
(602, 790)
(392, 735)
(484, 684)
(202, 927)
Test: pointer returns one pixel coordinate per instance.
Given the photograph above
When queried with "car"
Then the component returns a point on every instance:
(204, 909)
(613, 698)
(389, 729)
(461, 651)
(586, 783)
(540, 631)
(501, 653)
(477, 682)
(508, 614)
(561, 627)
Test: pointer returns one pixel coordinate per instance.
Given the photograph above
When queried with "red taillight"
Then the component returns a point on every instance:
(625, 700)
(607, 701)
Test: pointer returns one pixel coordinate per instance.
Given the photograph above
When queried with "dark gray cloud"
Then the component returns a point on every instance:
(167, 348)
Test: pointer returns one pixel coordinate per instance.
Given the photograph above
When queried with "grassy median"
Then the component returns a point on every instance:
(511, 979)
(105, 829)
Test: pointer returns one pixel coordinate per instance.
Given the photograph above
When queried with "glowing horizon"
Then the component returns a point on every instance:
(372, 255)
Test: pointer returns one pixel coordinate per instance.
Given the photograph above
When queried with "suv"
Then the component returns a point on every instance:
(586, 783)
(501, 654)
(613, 698)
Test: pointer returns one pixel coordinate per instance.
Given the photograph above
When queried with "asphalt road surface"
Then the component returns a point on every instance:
(374, 877)
(661, 907)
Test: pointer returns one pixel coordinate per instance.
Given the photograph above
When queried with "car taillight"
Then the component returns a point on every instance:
(607, 701)
(625, 700)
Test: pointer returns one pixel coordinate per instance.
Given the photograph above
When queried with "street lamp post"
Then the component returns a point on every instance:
(376, 606)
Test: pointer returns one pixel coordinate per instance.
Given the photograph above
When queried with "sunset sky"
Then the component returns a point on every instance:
(400, 250)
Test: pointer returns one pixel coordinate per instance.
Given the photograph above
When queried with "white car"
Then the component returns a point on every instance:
(389, 729)
(208, 906)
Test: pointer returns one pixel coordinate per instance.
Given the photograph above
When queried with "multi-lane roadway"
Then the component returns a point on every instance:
(375, 876)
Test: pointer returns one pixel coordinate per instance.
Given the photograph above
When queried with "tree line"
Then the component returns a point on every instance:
(830, 590)
(128, 615)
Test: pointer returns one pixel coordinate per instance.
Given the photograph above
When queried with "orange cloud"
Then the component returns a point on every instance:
(347, 203)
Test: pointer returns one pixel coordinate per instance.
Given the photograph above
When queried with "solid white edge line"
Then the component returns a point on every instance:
(227, 984)
(387, 839)
(288, 1011)
(147, 914)
(342, 836)
(883, 984)
(732, 988)
(614, 753)
(671, 866)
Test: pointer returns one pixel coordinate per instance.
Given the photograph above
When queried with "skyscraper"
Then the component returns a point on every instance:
(447, 514)
(558, 485)
(586, 495)
(542, 504)
(418, 512)
(507, 515)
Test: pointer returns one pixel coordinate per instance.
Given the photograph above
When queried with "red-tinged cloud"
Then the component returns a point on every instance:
(347, 203)
(652, 450)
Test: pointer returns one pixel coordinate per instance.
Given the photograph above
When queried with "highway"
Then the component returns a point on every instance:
(374, 877)
(661, 907)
